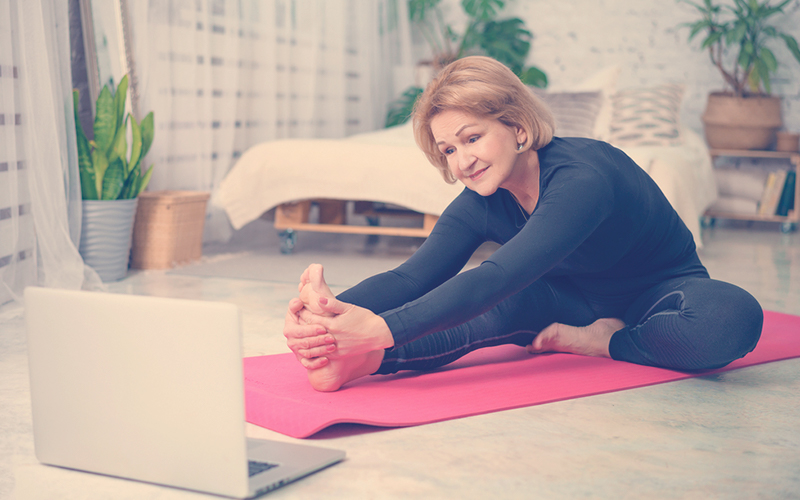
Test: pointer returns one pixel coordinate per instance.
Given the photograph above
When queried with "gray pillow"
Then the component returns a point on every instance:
(575, 112)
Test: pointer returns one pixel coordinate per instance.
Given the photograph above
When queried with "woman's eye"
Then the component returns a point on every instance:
(449, 151)
(473, 139)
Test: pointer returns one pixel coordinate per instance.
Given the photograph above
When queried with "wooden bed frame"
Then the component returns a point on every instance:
(293, 217)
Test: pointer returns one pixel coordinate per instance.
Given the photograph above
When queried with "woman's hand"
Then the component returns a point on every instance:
(309, 342)
(356, 330)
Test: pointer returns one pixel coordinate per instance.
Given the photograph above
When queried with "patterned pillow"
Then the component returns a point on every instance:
(648, 116)
(575, 112)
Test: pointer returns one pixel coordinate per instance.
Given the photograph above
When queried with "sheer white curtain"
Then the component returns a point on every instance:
(223, 75)
(39, 186)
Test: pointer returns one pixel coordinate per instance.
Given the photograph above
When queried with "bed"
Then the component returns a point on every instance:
(383, 173)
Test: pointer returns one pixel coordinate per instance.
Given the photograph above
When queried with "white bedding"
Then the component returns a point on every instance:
(386, 166)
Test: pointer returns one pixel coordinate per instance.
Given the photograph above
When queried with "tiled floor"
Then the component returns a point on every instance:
(731, 435)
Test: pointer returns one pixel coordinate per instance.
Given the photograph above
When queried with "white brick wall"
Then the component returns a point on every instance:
(574, 38)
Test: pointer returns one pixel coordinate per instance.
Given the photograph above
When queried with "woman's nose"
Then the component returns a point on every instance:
(465, 159)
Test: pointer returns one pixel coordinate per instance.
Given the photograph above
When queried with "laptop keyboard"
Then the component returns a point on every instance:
(254, 467)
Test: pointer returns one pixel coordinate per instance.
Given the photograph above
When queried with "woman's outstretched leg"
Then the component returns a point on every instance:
(516, 320)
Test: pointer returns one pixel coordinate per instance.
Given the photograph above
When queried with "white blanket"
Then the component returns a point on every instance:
(386, 166)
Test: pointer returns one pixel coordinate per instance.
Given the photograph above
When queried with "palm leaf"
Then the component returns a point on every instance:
(482, 10)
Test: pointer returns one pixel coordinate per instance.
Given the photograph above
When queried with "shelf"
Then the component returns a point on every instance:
(748, 153)
(788, 222)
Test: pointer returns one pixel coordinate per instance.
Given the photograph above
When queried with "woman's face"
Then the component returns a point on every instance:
(480, 152)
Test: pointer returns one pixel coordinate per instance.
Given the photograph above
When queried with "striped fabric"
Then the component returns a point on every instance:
(647, 116)
(575, 112)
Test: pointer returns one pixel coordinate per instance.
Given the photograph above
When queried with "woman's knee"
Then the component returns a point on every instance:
(705, 324)
(736, 320)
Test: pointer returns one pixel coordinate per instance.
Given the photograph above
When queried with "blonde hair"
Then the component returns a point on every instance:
(486, 88)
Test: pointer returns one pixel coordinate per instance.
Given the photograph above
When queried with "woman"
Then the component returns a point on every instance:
(593, 259)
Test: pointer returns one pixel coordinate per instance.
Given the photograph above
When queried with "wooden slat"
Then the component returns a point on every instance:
(349, 229)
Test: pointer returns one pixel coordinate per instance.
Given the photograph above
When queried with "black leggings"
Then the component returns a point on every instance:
(689, 323)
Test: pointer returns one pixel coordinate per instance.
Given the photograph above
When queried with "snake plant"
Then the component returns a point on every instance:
(106, 169)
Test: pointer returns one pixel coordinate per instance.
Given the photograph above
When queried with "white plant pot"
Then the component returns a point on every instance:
(106, 232)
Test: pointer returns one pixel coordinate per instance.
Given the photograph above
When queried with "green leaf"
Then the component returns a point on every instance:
(100, 162)
(148, 132)
(482, 10)
(418, 9)
(507, 41)
(129, 188)
(145, 180)
(791, 44)
(85, 168)
(768, 59)
(400, 109)
(760, 74)
(104, 120)
(136, 143)
(711, 39)
(534, 76)
(113, 180)
(119, 149)
(119, 102)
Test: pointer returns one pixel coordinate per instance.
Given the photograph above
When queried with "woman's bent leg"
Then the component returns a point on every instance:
(689, 324)
(516, 320)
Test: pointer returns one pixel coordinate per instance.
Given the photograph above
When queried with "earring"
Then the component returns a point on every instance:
(519, 146)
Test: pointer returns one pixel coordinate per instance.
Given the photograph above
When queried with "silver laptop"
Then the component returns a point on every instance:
(150, 389)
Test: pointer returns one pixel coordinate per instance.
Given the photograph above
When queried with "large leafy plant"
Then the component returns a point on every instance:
(106, 169)
(506, 40)
(737, 36)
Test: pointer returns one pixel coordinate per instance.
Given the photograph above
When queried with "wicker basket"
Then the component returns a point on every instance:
(169, 229)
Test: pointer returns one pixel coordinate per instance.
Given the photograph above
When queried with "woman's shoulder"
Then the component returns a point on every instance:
(572, 148)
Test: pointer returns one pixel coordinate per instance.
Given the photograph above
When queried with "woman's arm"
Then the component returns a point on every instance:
(453, 240)
(570, 209)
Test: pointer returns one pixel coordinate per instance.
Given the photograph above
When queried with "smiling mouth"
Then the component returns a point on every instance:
(477, 175)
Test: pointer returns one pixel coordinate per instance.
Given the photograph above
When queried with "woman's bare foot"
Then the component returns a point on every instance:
(313, 287)
(591, 340)
(338, 371)
(343, 370)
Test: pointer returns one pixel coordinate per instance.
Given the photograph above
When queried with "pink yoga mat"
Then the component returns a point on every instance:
(278, 395)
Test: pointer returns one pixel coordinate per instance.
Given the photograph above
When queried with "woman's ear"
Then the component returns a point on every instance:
(522, 135)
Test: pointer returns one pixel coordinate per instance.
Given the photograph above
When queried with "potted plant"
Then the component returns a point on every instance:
(111, 180)
(737, 37)
(506, 40)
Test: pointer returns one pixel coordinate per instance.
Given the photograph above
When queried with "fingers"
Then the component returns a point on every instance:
(536, 347)
(306, 316)
(333, 305)
(313, 364)
(295, 305)
(307, 336)
(315, 352)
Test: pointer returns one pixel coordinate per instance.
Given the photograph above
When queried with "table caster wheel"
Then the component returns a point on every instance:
(288, 241)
